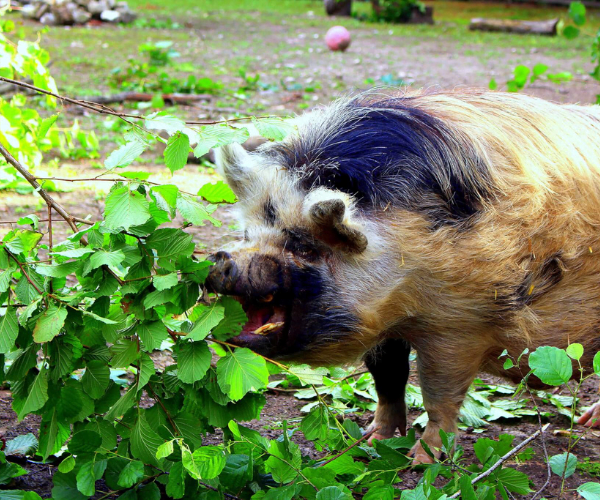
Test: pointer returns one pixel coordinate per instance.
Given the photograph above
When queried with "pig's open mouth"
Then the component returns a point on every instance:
(266, 324)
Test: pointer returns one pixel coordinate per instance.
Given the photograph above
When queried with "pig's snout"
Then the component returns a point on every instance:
(224, 274)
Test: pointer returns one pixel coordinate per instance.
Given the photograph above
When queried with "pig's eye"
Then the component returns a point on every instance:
(301, 244)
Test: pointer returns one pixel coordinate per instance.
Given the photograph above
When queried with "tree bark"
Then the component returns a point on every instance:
(512, 26)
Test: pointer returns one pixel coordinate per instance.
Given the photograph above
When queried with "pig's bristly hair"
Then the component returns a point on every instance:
(385, 152)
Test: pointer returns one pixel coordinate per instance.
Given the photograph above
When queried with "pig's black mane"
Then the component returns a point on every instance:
(389, 153)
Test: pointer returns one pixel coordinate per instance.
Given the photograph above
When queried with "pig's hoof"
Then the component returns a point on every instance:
(383, 431)
(420, 456)
(591, 418)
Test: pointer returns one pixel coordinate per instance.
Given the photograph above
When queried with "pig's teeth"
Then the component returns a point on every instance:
(265, 329)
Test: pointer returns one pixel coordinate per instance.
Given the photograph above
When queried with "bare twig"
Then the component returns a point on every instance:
(31, 282)
(358, 441)
(51, 202)
(36, 185)
(504, 458)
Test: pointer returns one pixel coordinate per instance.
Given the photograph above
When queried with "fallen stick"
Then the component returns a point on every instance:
(146, 97)
(504, 458)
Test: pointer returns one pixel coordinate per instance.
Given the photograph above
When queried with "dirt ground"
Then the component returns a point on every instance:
(298, 73)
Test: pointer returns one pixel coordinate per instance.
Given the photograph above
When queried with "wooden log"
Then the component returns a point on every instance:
(514, 26)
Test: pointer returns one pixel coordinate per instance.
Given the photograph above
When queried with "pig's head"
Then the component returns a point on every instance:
(320, 215)
(295, 242)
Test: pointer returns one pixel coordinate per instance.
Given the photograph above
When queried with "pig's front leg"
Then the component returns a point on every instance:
(445, 374)
(388, 363)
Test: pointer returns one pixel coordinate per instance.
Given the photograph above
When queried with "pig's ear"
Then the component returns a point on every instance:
(329, 226)
(235, 164)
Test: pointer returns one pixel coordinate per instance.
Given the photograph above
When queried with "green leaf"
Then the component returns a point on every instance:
(122, 405)
(508, 364)
(315, 424)
(45, 125)
(171, 243)
(333, 493)
(65, 487)
(124, 155)
(273, 128)
(570, 32)
(563, 463)
(164, 450)
(166, 196)
(237, 471)
(26, 444)
(217, 193)
(194, 211)
(125, 208)
(53, 434)
(58, 270)
(31, 219)
(575, 351)
(145, 442)
(87, 475)
(176, 152)
(492, 85)
(146, 369)
(589, 491)
(210, 316)
(551, 365)
(162, 282)
(67, 465)
(307, 375)
(577, 13)
(96, 378)
(515, 481)
(23, 241)
(74, 253)
(205, 463)
(164, 121)
(36, 396)
(104, 258)
(193, 361)
(142, 176)
(124, 352)
(86, 441)
(176, 484)
(9, 330)
(131, 474)
(241, 371)
(219, 135)
(596, 363)
(152, 334)
(234, 321)
(284, 462)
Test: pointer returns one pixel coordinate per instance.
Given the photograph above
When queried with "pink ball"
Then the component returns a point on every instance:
(337, 38)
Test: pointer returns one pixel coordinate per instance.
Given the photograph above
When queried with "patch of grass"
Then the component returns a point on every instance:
(589, 467)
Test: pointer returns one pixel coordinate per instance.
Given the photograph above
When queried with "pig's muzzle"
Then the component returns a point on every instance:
(224, 273)
(259, 285)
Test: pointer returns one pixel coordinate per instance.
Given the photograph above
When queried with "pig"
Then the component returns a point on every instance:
(459, 224)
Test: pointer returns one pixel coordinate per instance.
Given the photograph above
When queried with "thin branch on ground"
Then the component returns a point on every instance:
(504, 458)
(105, 110)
